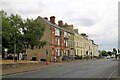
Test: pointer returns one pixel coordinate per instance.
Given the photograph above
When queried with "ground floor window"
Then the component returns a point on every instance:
(77, 51)
(81, 52)
(91, 53)
(86, 52)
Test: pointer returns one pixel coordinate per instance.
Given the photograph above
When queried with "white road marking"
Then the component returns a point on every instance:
(111, 75)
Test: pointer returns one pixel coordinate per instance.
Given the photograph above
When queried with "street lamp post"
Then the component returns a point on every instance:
(14, 47)
(6, 50)
(14, 51)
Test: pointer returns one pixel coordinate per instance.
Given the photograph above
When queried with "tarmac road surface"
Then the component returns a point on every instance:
(102, 68)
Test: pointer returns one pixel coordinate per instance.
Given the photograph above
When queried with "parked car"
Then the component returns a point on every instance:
(108, 57)
(65, 58)
(72, 57)
(78, 57)
(10, 57)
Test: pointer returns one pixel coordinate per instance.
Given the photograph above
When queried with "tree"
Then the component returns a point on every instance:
(11, 36)
(115, 52)
(118, 50)
(104, 53)
(7, 31)
(32, 33)
(16, 23)
(19, 34)
(109, 53)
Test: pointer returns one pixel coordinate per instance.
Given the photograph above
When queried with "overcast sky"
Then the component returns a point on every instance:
(97, 18)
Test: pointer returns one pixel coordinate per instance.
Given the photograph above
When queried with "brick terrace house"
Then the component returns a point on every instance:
(57, 40)
(70, 40)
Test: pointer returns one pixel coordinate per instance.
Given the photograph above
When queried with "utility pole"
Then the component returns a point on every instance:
(14, 48)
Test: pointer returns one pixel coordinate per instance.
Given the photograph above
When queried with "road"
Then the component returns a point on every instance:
(103, 68)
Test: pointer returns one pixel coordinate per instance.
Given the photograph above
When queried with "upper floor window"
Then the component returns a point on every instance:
(53, 40)
(71, 43)
(65, 34)
(69, 34)
(81, 44)
(89, 48)
(57, 32)
(77, 43)
(66, 43)
(58, 51)
(58, 41)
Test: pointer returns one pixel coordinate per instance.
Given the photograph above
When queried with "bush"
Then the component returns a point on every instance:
(34, 59)
(86, 57)
(78, 57)
(10, 57)
(65, 58)
(43, 60)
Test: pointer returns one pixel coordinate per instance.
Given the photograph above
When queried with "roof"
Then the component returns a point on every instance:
(81, 35)
(56, 25)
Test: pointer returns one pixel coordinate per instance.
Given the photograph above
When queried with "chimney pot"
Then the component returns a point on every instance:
(52, 19)
(76, 30)
(45, 18)
(60, 23)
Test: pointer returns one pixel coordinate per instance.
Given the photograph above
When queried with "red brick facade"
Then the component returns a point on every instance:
(54, 35)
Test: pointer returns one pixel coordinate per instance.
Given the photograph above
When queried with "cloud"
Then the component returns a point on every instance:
(96, 18)
(25, 8)
(84, 21)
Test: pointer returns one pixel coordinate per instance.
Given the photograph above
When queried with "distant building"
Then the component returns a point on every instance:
(95, 50)
(84, 46)
(79, 43)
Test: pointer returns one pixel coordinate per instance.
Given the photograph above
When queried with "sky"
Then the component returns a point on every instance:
(97, 18)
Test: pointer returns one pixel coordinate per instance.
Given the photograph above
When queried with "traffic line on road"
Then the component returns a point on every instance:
(111, 75)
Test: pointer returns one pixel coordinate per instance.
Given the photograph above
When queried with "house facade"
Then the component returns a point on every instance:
(84, 47)
(69, 38)
(62, 40)
(43, 52)
(57, 38)
(95, 50)
(79, 43)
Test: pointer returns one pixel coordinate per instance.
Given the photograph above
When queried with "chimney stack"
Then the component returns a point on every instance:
(45, 18)
(76, 30)
(52, 19)
(60, 23)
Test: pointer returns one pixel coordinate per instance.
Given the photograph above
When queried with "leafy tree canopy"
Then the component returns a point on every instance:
(114, 51)
(109, 53)
(104, 53)
(22, 33)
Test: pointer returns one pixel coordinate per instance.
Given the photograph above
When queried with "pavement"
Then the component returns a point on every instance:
(16, 61)
(12, 67)
(102, 68)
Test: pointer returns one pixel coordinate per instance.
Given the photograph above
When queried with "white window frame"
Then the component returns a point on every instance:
(57, 32)
(66, 43)
(58, 41)
(65, 34)
(58, 52)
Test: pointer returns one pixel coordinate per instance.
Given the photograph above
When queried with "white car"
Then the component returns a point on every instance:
(108, 57)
